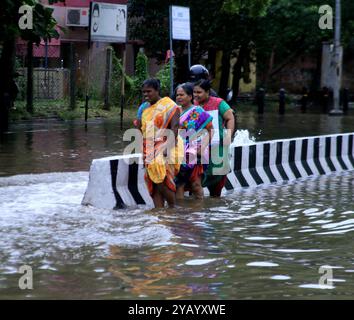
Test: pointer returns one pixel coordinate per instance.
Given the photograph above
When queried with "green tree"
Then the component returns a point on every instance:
(290, 29)
(216, 25)
(141, 70)
(43, 27)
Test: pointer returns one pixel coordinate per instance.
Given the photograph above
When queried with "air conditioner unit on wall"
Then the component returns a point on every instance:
(77, 17)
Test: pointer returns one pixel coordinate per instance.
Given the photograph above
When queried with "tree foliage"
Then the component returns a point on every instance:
(284, 28)
(43, 27)
(43, 22)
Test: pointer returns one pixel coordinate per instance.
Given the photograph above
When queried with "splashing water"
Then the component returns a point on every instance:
(242, 138)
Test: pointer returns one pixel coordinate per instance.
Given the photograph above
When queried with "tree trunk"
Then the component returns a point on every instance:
(270, 67)
(29, 105)
(7, 97)
(237, 72)
(73, 71)
(225, 72)
(316, 81)
(211, 62)
(288, 60)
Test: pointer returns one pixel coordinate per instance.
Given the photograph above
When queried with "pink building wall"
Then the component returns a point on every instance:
(83, 3)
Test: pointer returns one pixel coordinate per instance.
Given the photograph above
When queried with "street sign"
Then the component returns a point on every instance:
(181, 29)
(108, 22)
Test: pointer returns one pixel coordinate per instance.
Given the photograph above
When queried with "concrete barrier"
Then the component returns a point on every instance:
(118, 182)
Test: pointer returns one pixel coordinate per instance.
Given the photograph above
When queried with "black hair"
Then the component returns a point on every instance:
(96, 7)
(187, 88)
(152, 83)
(204, 84)
(123, 13)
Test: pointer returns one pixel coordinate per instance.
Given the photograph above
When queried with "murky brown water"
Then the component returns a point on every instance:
(264, 243)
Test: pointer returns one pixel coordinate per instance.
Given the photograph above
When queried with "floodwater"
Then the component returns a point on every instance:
(265, 243)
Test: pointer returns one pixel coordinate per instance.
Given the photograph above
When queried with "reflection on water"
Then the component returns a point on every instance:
(48, 146)
(262, 243)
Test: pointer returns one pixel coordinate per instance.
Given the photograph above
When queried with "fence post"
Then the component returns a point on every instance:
(345, 100)
(107, 79)
(304, 100)
(282, 101)
(29, 104)
(325, 99)
(5, 104)
(72, 77)
(260, 100)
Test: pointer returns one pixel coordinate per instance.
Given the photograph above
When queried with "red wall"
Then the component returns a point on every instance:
(84, 3)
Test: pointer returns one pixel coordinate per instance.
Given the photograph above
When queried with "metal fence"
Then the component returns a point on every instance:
(48, 83)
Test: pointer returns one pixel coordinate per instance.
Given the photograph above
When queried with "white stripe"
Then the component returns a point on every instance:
(122, 183)
(99, 192)
(232, 158)
(272, 159)
(322, 155)
(310, 156)
(259, 163)
(285, 160)
(233, 180)
(345, 150)
(298, 163)
(245, 167)
(231, 175)
(207, 193)
(333, 154)
(142, 187)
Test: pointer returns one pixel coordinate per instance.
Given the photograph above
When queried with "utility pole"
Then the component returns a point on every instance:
(337, 61)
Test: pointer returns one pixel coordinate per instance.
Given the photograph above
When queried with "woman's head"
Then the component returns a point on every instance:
(184, 95)
(151, 90)
(96, 16)
(201, 90)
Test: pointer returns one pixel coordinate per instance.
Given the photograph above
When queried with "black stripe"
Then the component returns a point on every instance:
(228, 185)
(292, 164)
(350, 149)
(328, 154)
(133, 183)
(114, 169)
(316, 155)
(252, 164)
(278, 161)
(266, 162)
(339, 152)
(238, 161)
(306, 166)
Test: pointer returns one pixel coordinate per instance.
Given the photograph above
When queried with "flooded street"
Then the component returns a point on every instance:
(263, 243)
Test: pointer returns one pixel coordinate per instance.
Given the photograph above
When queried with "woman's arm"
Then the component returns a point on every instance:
(210, 129)
(229, 121)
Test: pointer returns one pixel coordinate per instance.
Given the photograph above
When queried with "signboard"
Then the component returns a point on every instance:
(181, 29)
(108, 22)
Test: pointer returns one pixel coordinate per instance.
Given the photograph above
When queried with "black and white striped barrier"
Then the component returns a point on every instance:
(118, 182)
(287, 160)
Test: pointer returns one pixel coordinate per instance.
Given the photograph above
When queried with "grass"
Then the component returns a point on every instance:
(60, 109)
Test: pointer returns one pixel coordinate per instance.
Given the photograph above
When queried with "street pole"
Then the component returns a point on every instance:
(337, 61)
(189, 55)
(171, 55)
(122, 97)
